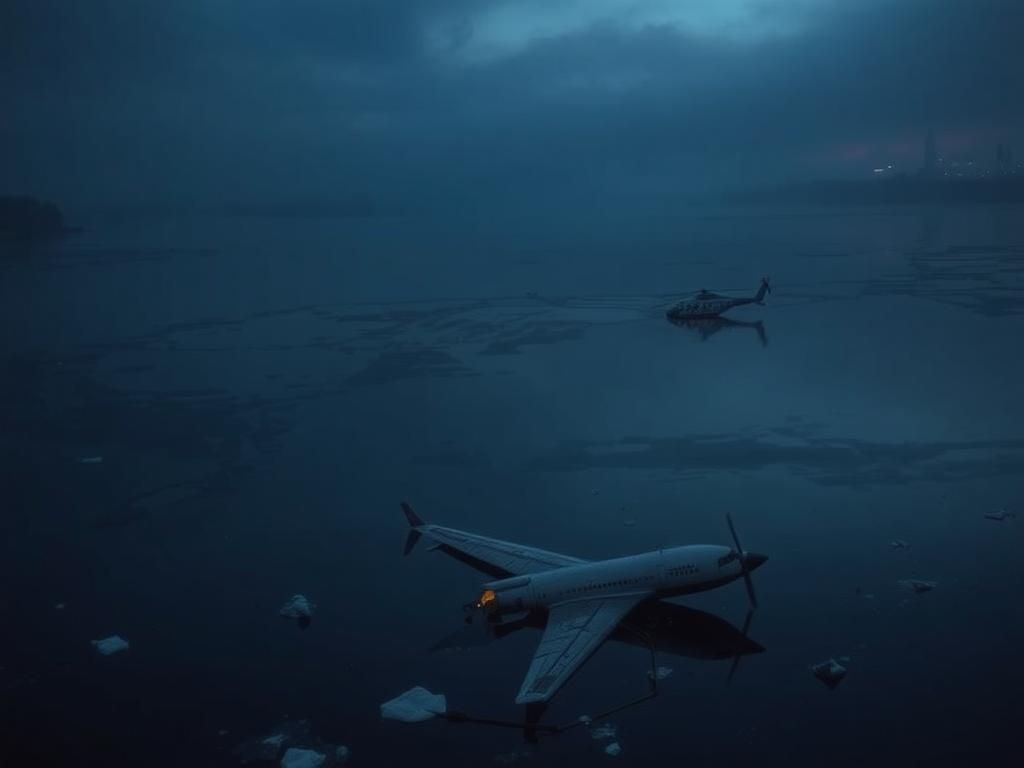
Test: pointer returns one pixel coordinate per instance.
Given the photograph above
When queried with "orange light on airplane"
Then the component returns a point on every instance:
(486, 598)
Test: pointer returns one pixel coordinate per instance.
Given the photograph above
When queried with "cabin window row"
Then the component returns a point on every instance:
(683, 570)
(605, 585)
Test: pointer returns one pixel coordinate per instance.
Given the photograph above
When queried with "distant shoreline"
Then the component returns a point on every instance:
(26, 218)
(899, 190)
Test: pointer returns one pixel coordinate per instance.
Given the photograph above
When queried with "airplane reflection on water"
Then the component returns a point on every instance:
(709, 326)
(658, 627)
(666, 627)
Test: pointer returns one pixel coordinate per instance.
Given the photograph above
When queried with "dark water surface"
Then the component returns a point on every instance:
(264, 392)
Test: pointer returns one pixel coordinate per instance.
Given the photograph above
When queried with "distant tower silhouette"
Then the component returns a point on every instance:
(931, 156)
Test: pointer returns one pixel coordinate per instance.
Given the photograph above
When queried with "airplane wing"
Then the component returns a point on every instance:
(575, 630)
(497, 558)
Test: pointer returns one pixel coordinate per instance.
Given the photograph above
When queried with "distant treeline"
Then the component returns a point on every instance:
(893, 191)
(28, 217)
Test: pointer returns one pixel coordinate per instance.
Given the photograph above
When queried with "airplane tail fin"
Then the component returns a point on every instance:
(765, 288)
(415, 522)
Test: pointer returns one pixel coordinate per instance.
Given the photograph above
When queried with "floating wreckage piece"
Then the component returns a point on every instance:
(1000, 514)
(300, 609)
(414, 706)
(899, 544)
(919, 585)
(614, 749)
(606, 731)
(111, 645)
(830, 672)
(302, 758)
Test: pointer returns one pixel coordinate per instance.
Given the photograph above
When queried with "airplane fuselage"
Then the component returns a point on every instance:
(659, 574)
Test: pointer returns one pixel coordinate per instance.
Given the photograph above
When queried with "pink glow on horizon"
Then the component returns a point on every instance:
(905, 151)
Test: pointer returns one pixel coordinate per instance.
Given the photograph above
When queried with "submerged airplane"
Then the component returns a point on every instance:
(706, 303)
(584, 602)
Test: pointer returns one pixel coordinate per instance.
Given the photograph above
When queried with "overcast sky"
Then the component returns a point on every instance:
(406, 101)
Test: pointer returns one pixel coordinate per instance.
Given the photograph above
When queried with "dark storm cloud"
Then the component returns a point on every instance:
(119, 101)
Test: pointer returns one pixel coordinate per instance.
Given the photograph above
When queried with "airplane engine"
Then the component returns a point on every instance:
(504, 597)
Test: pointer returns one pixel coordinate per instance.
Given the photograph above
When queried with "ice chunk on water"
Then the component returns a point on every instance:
(414, 706)
(298, 608)
(660, 673)
(110, 645)
(606, 731)
(302, 758)
(919, 585)
(268, 748)
(830, 672)
(614, 749)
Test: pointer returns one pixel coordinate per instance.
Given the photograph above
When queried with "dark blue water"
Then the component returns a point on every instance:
(264, 392)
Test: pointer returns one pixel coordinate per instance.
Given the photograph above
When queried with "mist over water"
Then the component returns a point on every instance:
(268, 269)
(264, 391)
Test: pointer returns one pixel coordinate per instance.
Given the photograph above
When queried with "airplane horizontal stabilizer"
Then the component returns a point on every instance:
(410, 540)
(411, 516)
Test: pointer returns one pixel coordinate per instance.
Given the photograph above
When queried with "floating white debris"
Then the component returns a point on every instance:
(660, 673)
(830, 672)
(899, 544)
(606, 731)
(90, 460)
(302, 758)
(298, 608)
(111, 645)
(919, 585)
(414, 706)
(1001, 514)
(341, 755)
(614, 749)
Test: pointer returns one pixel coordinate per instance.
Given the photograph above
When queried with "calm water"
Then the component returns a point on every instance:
(264, 392)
